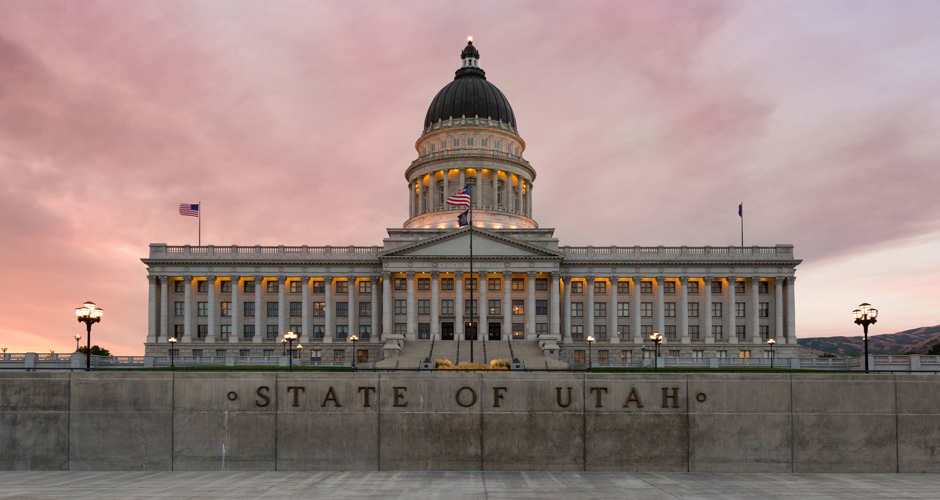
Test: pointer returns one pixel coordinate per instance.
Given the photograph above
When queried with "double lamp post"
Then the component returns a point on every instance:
(88, 313)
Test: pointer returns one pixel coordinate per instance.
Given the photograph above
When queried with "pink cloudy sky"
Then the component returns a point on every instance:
(293, 123)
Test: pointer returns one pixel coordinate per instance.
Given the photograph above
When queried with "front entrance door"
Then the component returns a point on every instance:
(447, 331)
(470, 331)
(494, 331)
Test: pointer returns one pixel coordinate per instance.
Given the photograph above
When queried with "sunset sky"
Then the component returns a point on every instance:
(293, 123)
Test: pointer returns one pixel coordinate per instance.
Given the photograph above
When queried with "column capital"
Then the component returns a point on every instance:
(507, 274)
(283, 278)
(731, 278)
(258, 277)
(152, 278)
(531, 274)
(684, 280)
(791, 279)
(187, 277)
(435, 274)
(660, 278)
(707, 278)
(234, 277)
(410, 274)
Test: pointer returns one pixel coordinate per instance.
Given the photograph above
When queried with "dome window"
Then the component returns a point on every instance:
(470, 142)
(484, 143)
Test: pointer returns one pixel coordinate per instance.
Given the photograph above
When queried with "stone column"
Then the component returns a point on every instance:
(554, 287)
(411, 198)
(589, 307)
(494, 187)
(519, 203)
(707, 313)
(510, 201)
(259, 309)
(435, 306)
(305, 324)
(567, 312)
(530, 307)
(755, 310)
(446, 189)
(684, 309)
(235, 312)
(386, 304)
(611, 309)
(282, 309)
(778, 308)
(463, 180)
(660, 306)
(187, 310)
(152, 309)
(791, 310)
(374, 299)
(412, 327)
(483, 325)
(458, 305)
(213, 310)
(730, 313)
(507, 304)
(635, 315)
(165, 308)
(329, 310)
(352, 309)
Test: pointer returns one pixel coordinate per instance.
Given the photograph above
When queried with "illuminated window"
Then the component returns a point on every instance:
(577, 287)
(342, 287)
(319, 309)
(470, 284)
(362, 356)
(626, 356)
(447, 283)
(603, 356)
(518, 330)
(319, 286)
(401, 283)
(693, 288)
(518, 284)
(365, 286)
(495, 307)
(646, 287)
(424, 283)
(669, 287)
(600, 287)
(623, 287)
(493, 284)
(744, 354)
(339, 356)
(294, 286)
(271, 286)
(578, 357)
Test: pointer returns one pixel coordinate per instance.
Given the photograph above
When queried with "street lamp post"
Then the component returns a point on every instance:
(354, 338)
(88, 313)
(78, 337)
(590, 342)
(172, 341)
(290, 337)
(656, 338)
(865, 315)
(771, 343)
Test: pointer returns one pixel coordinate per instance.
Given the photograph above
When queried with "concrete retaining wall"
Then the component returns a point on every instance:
(469, 421)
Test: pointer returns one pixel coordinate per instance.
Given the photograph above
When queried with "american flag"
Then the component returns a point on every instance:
(460, 198)
(190, 209)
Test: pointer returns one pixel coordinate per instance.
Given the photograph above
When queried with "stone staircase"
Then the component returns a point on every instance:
(415, 351)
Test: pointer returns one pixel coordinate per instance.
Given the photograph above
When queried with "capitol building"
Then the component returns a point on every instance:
(416, 296)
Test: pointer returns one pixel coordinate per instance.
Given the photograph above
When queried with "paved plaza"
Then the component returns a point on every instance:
(449, 485)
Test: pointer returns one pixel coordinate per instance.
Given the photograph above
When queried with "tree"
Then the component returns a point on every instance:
(934, 349)
(95, 350)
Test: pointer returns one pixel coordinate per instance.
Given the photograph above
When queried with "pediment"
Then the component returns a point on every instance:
(485, 244)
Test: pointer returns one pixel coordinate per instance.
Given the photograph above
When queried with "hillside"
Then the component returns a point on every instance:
(916, 341)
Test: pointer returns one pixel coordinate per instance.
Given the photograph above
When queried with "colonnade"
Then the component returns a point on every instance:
(516, 198)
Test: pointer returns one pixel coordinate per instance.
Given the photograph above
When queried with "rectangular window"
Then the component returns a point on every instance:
(249, 308)
(764, 332)
(623, 287)
(741, 332)
(447, 283)
(670, 332)
(669, 310)
(424, 283)
(225, 331)
(693, 288)
(365, 286)
(298, 329)
(365, 309)
(600, 332)
(315, 354)
(470, 284)
(339, 356)
(717, 332)
(202, 309)
(541, 329)
(401, 283)
(578, 357)
(623, 309)
(674, 353)
(646, 287)
(541, 307)
(716, 286)
(541, 284)
(401, 307)
(716, 310)
(362, 356)
(319, 309)
(342, 331)
(470, 306)
(626, 356)
(764, 309)
(738, 287)
(248, 287)
(365, 332)
(342, 309)
(272, 309)
(424, 331)
(493, 284)
(319, 286)
(294, 286)
(296, 309)
(577, 309)
(693, 309)
(669, 287)
(646, 309)
(577, 332)
(603, 357)
(270, 332)
(178, 286)
(401, 329)
(600, 309)
(225, 286)
(577, 287)
(318, 332)
(495, 307)
(202, 286)
(698, 354)
(518, 284)
(244, 353)
(342, 287)
(518, 307)
(694, 333)
(225, 309)
(197, 353)
(722, 354)
(447, 306)
(424, 306)
(623, 331)
(178, 331)
(739, 309)
(248, 331)
(518, 330)
(267, 353)
(600, 287)
(744, 354)
(202, 331)
(763, 288)
(645, 331)
(178, 309)
(271, 286)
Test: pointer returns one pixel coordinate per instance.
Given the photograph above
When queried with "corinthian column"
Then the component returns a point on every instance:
(791, 309)
(684, 309)
(755, 310)
(507, 304)
(305, 309)
(778, 308)
(589, 307)
(611, 307)
(435, 306)
(235, 311)
(329, 310)
(386, 304)
(259, 309)
(213, 310)
(530, 307)
(482, 326)
(553, 286)
(187, 309)
(660, 305)
(411, 307)
(165, 308)
(732, 331)
(707, 313)
(152, 309)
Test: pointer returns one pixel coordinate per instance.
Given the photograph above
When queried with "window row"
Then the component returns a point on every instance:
(669, 287)
(273, 286)
(494, 307)
(669, 333)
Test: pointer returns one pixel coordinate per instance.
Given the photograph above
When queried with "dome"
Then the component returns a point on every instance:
(470, 94)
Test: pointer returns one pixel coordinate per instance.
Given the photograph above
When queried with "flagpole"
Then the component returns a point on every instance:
(470, 218)
(741, 212)
(199, 224)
